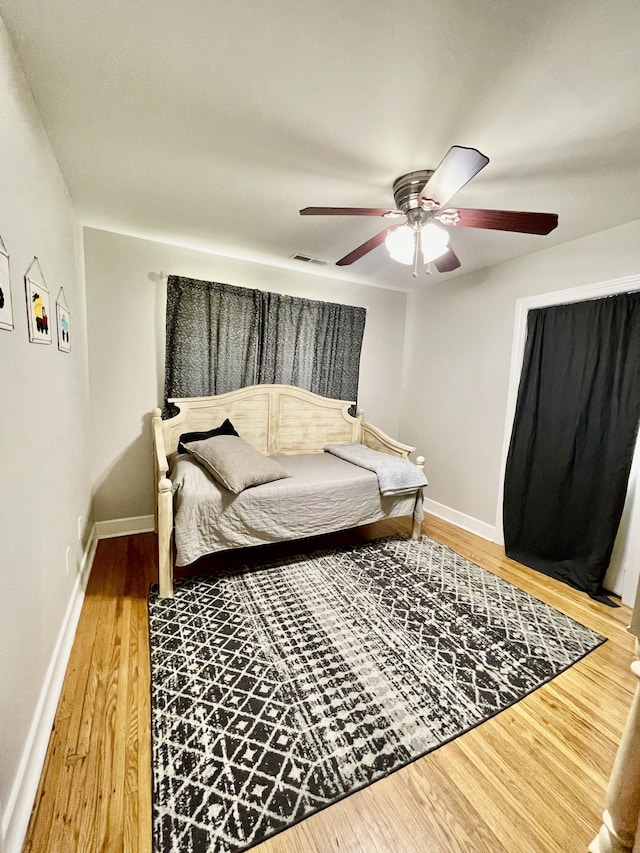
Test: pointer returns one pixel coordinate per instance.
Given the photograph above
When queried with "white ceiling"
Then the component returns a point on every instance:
(211, 123)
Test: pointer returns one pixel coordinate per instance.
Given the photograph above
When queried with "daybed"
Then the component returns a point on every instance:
(323, 493)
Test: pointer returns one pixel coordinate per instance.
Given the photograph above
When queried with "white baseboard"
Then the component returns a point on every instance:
(466, 522)
(125, 526)
(15, 817)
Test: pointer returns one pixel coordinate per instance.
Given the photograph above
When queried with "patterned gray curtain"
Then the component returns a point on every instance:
(288, 341)
(336, 360)
(313, 345)
(213, 337)
(221, 337)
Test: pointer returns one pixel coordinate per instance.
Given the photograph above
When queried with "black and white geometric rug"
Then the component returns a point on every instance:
(276, 692)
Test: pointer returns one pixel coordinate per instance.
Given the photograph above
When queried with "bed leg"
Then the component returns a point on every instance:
(620, 831)
(156, 416)
(165, 529)
(416, 527)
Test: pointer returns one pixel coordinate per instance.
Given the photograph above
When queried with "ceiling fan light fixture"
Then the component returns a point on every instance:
(401, 243)
(434, 242)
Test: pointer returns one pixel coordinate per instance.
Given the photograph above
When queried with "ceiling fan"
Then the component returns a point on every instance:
(420, 199)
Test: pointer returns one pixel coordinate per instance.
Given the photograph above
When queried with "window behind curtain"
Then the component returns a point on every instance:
(221, 337)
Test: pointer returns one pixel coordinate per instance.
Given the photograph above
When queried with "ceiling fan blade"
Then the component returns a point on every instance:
(503, 220)
(447, 262)
(349, 211)
(372, 243)
(456, 169)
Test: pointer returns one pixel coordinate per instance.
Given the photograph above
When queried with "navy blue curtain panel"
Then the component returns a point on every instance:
(573, 438)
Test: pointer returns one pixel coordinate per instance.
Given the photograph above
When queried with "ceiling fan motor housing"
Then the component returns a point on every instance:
(406, 189)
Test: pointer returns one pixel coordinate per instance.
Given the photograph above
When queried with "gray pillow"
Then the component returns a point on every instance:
(234, 463)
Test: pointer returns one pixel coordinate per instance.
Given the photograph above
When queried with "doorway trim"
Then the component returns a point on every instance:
(523, 306)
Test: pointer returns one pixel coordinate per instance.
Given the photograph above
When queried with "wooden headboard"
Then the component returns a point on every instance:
(272, 418)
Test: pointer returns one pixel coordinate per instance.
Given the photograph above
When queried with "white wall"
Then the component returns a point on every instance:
(126, 303)
(458, 353)
(44, 485)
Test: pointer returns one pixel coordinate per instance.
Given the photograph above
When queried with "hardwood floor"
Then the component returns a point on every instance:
(533, 778)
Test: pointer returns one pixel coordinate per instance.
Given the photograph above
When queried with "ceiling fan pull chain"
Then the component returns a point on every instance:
(416, 250)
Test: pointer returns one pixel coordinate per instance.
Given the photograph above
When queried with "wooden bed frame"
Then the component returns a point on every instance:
(273, 419)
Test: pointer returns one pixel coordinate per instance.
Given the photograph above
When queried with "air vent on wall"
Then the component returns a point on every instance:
(307, 259)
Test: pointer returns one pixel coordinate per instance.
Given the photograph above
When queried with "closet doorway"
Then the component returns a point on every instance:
(624, 572)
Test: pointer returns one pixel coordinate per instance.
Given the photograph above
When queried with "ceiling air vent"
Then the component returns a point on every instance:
(307, 259)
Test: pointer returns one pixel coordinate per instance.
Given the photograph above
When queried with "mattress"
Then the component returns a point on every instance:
(322, 494)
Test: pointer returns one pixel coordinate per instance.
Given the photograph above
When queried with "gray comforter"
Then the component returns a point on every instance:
(323, 494)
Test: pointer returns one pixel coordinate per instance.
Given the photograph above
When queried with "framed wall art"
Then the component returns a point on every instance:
(6, 305)
(63, 322)
(38, 312)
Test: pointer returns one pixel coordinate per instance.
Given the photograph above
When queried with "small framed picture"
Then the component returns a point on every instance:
(38, 312)
(6, 307)
(64, 323)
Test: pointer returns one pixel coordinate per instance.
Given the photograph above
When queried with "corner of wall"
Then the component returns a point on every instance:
(460, 519)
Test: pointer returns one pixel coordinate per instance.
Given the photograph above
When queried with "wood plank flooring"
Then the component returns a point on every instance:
(530, 780)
